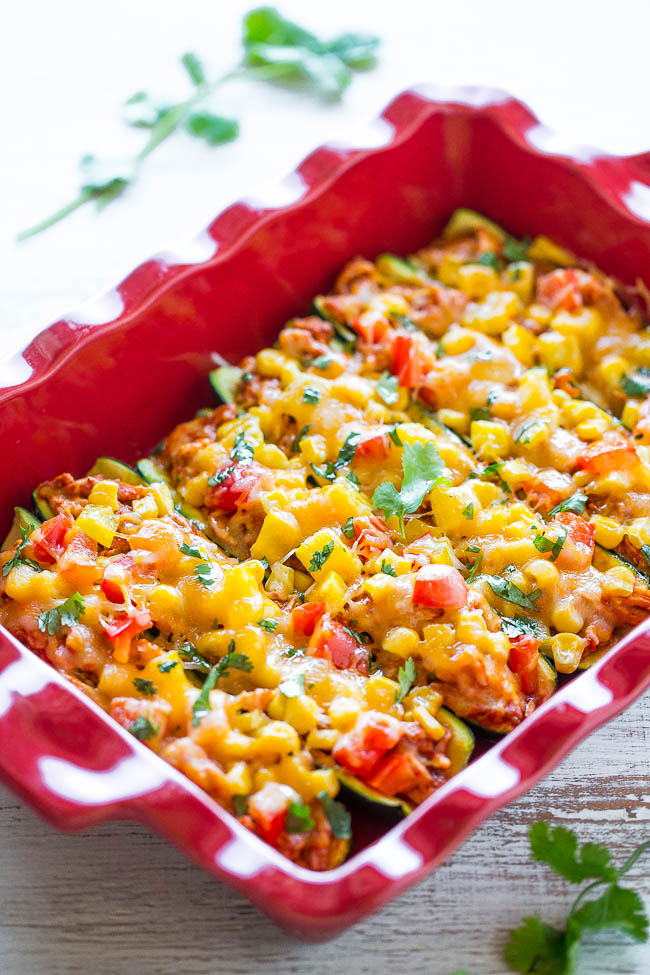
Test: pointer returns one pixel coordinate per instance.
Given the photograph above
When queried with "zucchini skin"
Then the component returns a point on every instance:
(152, 473)
(547, 675)
(400, 270)
(224, 380)
(343, 332)
(22, 519)
(465, 221)
(116, 470)
(459, 751)
(41, 507)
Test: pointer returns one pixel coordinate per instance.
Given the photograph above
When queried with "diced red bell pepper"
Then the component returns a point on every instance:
(580, 532)
(122, 630)
(407, 361)
(372, 536)
(239, 483)
(372, 448)
(78, 562)
(398, 773)
(116, 578)
(439, 586)
(371, 328)
(268, 809)
(361, 748)
(560, 289)
(523, 659)
(48, 540)
(304, 618)
(605, 456)
(331, 641)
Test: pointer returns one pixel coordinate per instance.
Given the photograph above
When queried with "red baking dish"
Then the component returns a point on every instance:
(114, 376)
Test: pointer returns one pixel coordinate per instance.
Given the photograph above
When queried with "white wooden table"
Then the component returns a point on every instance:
(119, 900)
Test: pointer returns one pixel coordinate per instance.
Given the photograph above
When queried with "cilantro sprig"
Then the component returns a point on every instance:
(238, 661)
(405, 678)
(513, 594)
(274, 49)
(539, 947)
(422, 468)
(51, 620)
(18, 558)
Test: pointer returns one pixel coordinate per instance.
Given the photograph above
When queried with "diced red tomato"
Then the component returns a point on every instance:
(605, 456)
(372, 535)
(48, 540)
(361, 749)
(560, 289)
(578, 548)
(523, 659)
(116, 577)
(78, 562)
(333, 642)
(127, 710)
(372, 448)
(239, 485)
(407, 361)
(398, 773)
(304, 618)
(370, 327)
(580, 532)
(268, 809)
(122, 630)
(439, 586)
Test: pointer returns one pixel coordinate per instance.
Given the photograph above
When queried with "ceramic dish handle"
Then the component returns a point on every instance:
(55, 752)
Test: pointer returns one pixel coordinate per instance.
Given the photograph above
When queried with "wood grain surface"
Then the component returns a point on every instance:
(120, 900)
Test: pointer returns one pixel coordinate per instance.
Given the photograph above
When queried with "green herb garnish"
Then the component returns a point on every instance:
(51, 620)
(422, 468)
(387, 389)
(575, 503)
(338, 816)
(405, 679)
(513, 594)
(298, 818)
(143, 729)
(268, 625)
(552, 545)
(242, 450)
(387, 568)
(18, 558)
(319, 559)
(146, 687)
(310, 395)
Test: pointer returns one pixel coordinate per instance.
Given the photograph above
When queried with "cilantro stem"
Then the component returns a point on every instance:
(640, 850)
(37, 228)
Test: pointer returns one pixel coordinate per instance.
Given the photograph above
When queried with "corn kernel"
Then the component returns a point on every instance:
(163, 498)
(619, 581)
(544, 249)
(477, 280)
(441, 634)
(104, 493)
(521, 343)
(401, 641)
(567, 649)
(585, 324)
(314, 449)
(239, 779)
(454, 419)
(590, 430)
(302, 713)
(556, 351)
(544, 573)
(540, 313)
(457, 341)
(322, 739)
(493, 315)
(337, 557)
(611, 370)
(566, 617)
(275, 739)
(24, 583)
(271, 456)
(381, 692)
(281, 580)
(343, 712)
(631, 414)
(609, 533)
(278, 535)
(520, 278)
(353, 389)
(331, 590)
(448, 269)
(490, 440)
(270, 362)
(98, 522)
(146, 507)
(427, 721)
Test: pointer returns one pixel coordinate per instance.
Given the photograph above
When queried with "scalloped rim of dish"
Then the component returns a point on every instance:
(502, 773)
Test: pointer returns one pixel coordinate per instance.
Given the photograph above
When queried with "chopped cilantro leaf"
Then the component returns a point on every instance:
(338, 816)
(637, 385)
(327, 471)
(167, 665)
(422, 468)
(192, 659)
(513, 594)
(347, 451)
(552, 545)
(220, 477)
(394, 435)
(473, 572)
(189, 550)
(516, 250)
(242, 450)
(521, 625)
(387, 568)
(575, 503)
(405, 679)
(348, 528)
(18, 558)
(321, 362)
(203, 572)
(319, 559)
(143, 729)
(51, 620)
(489, 259)
(268, 625)
(293, 687)
(202, 704)
(295, 446)
(479, 413)
(310, 395)
(387, 389)
(240, 805)
(146, 687)
(299, 818)
(468, 511)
